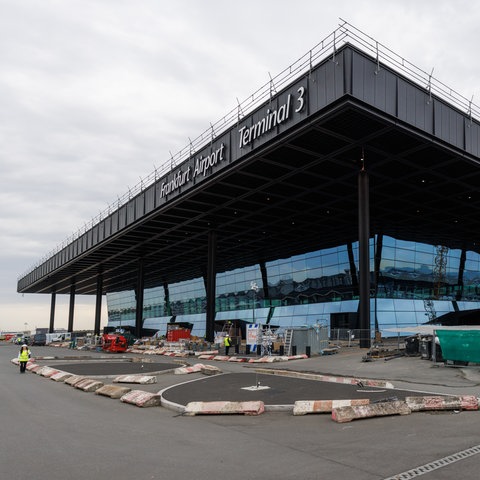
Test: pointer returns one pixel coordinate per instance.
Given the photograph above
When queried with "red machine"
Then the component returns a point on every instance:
(114, 342)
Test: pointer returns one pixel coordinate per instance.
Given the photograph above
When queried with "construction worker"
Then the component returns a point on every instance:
(227, 341)
(23, 357)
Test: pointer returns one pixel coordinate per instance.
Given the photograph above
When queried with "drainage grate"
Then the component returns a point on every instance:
(442, 462)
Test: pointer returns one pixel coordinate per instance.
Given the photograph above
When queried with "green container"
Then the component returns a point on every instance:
(460, 345)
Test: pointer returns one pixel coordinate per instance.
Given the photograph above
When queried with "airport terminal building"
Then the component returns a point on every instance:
(344, 192)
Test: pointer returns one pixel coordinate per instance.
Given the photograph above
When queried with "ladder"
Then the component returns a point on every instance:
(287, 342)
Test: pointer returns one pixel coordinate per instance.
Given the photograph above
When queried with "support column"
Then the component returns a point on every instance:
(52, 312)
(71, 308)
(364, 258)
(139, 296)
(263, 270)
(211, 286)
(166, 292)
(461, 270)
(98, 304)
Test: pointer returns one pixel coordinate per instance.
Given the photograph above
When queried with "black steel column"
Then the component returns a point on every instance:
(71, 308)
(364, 257)
(263, 270)
(98, 304)
(52, 312)
(166, 292)
(211, 285)
(139, 294)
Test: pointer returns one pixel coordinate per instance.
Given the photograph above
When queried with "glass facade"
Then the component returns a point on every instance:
(411, 283)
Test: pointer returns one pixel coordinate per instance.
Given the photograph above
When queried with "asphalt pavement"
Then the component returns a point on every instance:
(278, 383)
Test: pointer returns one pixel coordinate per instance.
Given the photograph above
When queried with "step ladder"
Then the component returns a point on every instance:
(287, 342)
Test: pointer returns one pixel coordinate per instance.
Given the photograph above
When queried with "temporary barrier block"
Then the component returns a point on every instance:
(60, 376)
(210, 370)
(193, 369)
(74, 379)
(141, 379)
(141, 398)
(47, 372)
(112, 391)
(347, 414)
(88, 385)
(303, 407)
(33, 368)
(206, 357)
(430, 402)
(224, 408)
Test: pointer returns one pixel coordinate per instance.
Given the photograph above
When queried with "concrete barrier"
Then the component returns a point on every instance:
(88, 385)
(206, 357)
(74, 379)
(47, 372)
(221, 358)
(112, 391)
(33, 367)
(303, 407)
(210, 370)
(224, 408)
(141, 398)
(193, 369)
(347, 414)
(431, 402)
(141, 379)
(60, 376)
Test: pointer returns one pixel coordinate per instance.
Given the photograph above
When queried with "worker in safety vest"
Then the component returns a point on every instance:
(23, 357)
(227, 341)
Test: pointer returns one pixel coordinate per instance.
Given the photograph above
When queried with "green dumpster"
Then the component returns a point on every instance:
(460, 345)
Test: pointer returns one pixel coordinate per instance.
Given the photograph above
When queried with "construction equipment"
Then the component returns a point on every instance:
(287, 343)
(114, 342)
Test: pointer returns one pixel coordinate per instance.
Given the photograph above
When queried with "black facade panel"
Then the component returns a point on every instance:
(150, 199)
(449, 125)
(114, 222)
(472, 137)
(122, 217)
(107, 226)
(131, 211)
(101, 231)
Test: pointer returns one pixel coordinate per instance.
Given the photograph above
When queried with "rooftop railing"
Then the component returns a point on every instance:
(345, 33)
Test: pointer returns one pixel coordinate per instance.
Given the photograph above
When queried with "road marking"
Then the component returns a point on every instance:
(442, 462)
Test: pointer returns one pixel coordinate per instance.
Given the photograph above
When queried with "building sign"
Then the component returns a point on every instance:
(201, 166)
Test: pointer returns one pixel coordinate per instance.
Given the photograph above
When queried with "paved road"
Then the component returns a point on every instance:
(52, 431)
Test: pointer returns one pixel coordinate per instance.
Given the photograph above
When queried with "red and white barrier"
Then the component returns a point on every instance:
(74, 379)
(431, 402)
(88, 385)
(303, 407)
(224, 408)
(347, 414)
(141, 399)
(193, 369)
(60, 376)
(141, 379)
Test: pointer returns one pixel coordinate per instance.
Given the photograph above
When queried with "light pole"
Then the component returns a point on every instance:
(254, 288)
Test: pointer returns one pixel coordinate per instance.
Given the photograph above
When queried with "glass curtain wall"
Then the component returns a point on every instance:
(318, 287)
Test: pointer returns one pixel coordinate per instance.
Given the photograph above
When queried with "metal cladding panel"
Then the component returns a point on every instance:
(130, 211)
(449, 125)
(101, 230)
(122, 217)
(139, 205)
(415, 106)
(472, 138)
(150, 199)
(374, 84)
(114, 222)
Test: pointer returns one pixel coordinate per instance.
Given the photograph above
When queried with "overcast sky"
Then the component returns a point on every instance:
(95, 94)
